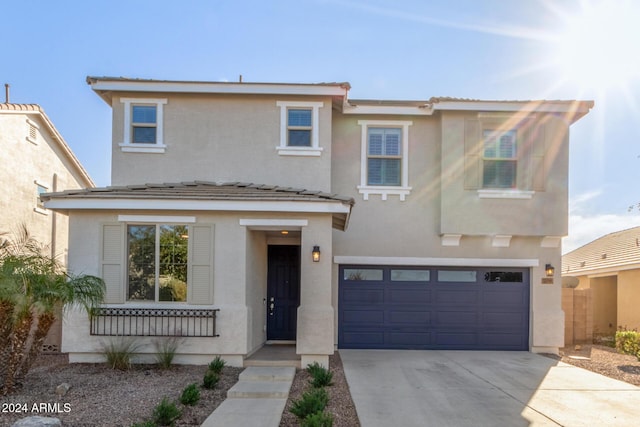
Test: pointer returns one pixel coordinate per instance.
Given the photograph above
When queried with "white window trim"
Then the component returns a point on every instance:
(38, 209)
(31, 123)
(314, 150)
(126, 145)
(487, 193)
(403, 189)
(157, 219)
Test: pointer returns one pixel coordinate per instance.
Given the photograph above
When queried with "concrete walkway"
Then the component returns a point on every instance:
(257, 399)
(483, 388)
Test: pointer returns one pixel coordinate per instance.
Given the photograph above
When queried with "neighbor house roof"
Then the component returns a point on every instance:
(201, 195)
(35, 109)
(610, 253)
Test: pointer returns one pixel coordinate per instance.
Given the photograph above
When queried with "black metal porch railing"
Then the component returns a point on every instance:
(154, 322)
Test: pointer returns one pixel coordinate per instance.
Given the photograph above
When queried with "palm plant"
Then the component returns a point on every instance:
(33, 287)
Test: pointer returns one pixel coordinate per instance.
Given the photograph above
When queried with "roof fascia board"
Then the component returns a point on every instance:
(440, 262)
(387, 110)
(604, 271)
(197, 205)
(223, 88)
(581, 107)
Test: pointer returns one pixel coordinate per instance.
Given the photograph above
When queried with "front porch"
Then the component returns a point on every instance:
(275, 355)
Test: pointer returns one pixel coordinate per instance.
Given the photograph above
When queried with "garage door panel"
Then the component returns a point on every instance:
(364, 317)
(401, 317)
(434, 308)
(363, 296)
(408, 296)
(456, 296)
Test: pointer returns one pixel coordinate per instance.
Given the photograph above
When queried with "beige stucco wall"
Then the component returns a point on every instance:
(239, 288)
(605, 300)
(629, 299)
(24, 163)
(223, 138)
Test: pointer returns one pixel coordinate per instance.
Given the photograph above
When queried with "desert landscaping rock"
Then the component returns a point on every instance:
(38, 422)
(62, 389)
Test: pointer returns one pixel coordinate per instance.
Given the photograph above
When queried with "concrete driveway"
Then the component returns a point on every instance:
(403, 388)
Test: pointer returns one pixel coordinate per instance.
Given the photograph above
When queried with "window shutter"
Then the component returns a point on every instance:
(472, 154)
(537, 159)
(200, 275)
(112, 262)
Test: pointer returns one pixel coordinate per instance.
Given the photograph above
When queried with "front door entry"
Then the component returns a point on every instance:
(283, 292)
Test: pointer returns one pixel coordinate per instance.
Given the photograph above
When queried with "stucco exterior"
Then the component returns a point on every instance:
(436, 215)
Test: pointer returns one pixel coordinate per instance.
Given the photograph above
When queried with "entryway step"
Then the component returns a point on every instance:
(268, 373)
(259, 390)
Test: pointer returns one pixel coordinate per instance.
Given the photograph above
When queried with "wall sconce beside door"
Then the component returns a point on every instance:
(549, 270)
(315, 254)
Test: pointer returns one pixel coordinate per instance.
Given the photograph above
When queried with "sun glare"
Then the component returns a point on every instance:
(599, 49)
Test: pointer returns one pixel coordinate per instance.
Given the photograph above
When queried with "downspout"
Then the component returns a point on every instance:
(54, 225)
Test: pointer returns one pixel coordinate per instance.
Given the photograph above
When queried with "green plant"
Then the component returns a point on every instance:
(165, 413)
(217, 364)
(190, 395)
(628, 342)
(148, 423)
(210, 380)
(166, 351)
(118, 352)
(311, 402)
(33, 289)
(318, 419)
(320, 376)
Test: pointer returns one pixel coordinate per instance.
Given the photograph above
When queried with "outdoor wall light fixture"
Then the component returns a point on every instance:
(315, 254)
(549, 270)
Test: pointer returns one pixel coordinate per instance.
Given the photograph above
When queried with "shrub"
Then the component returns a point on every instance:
(319, 419)
(118, 353)
(311, 402)
(628, 342)
(217, 364)
(165, 413)
(144, 424)
(190, 395)
(210, 380)
(166, 351)
(320, 376)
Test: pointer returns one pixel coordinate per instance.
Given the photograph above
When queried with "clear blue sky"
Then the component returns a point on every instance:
(399, 49)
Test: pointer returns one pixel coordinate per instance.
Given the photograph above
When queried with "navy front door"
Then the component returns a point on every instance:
(283, 292)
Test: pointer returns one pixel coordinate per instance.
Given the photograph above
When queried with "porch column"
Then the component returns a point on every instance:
(315, 329)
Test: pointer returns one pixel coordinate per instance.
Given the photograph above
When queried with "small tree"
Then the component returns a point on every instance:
(33, 288)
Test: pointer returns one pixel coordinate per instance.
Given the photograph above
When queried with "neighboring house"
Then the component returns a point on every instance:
(36, 160)
(303, 216)
(610, 268)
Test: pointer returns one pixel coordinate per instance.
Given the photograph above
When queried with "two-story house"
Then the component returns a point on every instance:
(295, 214)
(36, 160)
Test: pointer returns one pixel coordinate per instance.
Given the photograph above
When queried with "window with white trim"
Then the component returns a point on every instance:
(499, 160)
(384, 167)
(40, 189)
(157, 260)
(143, 125)
(299, 128)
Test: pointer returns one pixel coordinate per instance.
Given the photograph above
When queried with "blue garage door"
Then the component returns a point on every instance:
(433, 308)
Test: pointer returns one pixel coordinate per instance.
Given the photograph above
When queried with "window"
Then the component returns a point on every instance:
(456, 276)
(299, 128)
(499, 159)
(40, 189)
(384, 165)
(143, 125)
(366, 274)
(157, 259)
(384, 156)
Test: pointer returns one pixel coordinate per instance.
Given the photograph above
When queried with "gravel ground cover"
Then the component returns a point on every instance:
(100, 396)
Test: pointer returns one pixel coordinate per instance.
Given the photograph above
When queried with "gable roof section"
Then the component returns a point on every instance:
(35, 109)
(610, 253)
(204, 196)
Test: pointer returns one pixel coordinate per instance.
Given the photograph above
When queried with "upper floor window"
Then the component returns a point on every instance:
(299, 128)
(143, 125)
(157, 262)
(384, 167)
(500, 162)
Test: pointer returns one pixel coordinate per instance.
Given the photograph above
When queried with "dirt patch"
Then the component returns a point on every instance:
(101, 396)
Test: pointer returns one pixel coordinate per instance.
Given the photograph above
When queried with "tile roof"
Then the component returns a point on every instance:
(202, 190)
(93, 79)
(618, 250)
